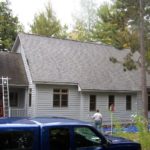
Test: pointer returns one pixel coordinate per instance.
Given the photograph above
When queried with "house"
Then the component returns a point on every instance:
(72, 79)
(11, 66)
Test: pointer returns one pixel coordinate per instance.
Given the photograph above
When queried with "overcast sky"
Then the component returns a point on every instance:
(26, 9)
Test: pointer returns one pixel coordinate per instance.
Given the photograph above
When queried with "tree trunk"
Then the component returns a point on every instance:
(143, 69)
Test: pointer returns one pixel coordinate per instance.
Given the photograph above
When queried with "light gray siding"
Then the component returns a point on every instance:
(120, 114)
(78, 104)
(31, 111)
(45, 102)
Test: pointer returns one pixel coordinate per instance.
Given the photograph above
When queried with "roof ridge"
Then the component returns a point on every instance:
(84, 42)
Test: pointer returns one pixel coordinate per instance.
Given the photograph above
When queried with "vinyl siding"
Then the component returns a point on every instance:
(78, 104)
(120, 114)
(45, 102)
(31, 111)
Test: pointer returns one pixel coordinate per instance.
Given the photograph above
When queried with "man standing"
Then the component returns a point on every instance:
(97, 119)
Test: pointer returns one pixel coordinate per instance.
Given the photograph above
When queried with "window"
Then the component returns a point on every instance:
(86, 138)
(128, 102)
(13, 99)
(1, 98)
(92, 102)
(60, 98)
(30, 97)
(111, 102)
(16, 140)
(148, 102)
(59, 139)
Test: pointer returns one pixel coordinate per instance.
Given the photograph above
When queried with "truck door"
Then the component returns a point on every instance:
(86, 139)
(56, 138)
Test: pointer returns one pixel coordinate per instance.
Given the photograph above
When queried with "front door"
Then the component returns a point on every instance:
(1, 105)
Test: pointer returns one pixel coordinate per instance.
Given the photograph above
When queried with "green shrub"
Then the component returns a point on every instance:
(142, 136)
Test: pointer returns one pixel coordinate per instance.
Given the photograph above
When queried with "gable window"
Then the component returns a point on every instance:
(13, 99)
(60, 98)
(92, 102)
(128, 102)
(111, 102)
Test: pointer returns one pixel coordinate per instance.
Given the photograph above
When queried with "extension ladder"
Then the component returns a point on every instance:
(5, 90)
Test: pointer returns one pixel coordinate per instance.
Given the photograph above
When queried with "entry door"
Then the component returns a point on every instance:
(1, 105)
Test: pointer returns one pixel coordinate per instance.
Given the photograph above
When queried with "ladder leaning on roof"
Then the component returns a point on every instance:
(5, 90)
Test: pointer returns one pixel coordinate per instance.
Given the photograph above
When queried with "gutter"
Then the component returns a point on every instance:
(110, 91)
(86, 90)
(55, 83)
(16, 85)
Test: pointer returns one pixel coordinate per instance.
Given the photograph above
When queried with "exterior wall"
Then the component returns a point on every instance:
(45, 107)
(18, 50)
(30, 110)
(78, 104)
(140, 104)
(120, 113)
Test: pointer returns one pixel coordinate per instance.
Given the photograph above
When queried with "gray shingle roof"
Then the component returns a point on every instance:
(11, 66)
(87, 64)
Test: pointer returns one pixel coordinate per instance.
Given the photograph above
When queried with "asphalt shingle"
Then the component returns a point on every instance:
(86, 64)
(11, 66)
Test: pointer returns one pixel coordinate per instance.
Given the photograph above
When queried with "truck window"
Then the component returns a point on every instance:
(16, 140)
(85, 137)
(59, 139)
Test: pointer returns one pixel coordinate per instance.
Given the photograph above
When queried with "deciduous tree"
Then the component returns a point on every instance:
(46, 23)
(84, 21)
(9, 26)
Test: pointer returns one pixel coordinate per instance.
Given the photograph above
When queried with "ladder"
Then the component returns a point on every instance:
(5, 90)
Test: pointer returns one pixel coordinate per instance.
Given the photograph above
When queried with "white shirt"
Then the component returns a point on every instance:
(97, 116)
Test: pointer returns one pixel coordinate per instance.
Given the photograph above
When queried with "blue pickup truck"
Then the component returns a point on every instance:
(56, 133)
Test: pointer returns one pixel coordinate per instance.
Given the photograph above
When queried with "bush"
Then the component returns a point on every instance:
(143, 134)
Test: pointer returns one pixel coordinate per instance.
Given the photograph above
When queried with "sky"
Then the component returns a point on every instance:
(26, 9)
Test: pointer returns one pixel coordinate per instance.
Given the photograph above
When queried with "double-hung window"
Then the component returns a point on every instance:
(30, 97)
(128, 102)
(92, 102)
(111, 102)
(148, 101)
(60, 98)
(13, 99)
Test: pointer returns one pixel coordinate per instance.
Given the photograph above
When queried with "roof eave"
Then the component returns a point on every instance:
(18, 85)
(86, 90)
(110, 91)
(55, 83)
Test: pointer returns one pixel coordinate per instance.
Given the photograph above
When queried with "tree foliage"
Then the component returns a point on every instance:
(79, 32)
(118, 24)
(111, 27)
(46, 23)
(9, 27)
(84, 21)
